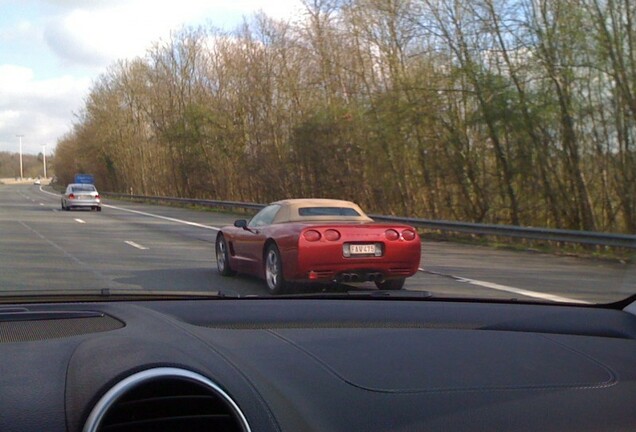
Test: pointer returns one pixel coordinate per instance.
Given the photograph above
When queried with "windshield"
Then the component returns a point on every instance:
(474, 149)
(265, 216)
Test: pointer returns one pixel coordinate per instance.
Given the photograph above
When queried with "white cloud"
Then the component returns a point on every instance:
(97, 36)
(11, 75)
(41, 110)
(85, 37)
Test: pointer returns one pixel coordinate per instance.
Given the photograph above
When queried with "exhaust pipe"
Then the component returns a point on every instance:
(349, 277)
(355, 277)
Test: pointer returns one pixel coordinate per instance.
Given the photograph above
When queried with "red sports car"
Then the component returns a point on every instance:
(318, 240)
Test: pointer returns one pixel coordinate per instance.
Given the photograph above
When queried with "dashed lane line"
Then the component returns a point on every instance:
(181, 221)
(135, 245)
(80, 221)
(79, 262)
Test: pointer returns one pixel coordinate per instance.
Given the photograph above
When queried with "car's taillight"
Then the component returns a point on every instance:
(97, 196)
(71, 196)
(311, 235)
(391, 234)
(332, 235)
(408, 234)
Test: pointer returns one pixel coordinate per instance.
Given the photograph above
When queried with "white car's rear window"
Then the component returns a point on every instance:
(84, 188)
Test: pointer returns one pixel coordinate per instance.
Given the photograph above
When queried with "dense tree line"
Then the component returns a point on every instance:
(503, 111)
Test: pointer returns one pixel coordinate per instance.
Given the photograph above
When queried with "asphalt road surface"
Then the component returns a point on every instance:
(151, 247)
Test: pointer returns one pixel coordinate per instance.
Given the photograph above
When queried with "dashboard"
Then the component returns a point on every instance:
(316, 365)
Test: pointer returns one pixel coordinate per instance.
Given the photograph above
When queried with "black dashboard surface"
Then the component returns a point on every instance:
(332, 365)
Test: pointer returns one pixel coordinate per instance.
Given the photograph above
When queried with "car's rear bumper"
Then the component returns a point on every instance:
(326, 263)
(83, 203)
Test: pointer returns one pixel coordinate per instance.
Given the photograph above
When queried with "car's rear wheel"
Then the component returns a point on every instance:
(223, 257)
(274, 270)
(99, 208)
(391, 284)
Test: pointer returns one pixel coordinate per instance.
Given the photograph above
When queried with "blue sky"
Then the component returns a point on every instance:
(52, 50)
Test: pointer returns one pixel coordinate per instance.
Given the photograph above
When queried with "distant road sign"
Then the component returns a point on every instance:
(84, 178)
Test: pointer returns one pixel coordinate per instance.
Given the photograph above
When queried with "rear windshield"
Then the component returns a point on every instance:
(327, 211)
(84, 188)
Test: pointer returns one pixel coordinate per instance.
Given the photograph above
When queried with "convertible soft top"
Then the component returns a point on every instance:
(318, 209)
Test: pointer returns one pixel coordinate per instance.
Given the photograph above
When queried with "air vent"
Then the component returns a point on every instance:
(165, 400)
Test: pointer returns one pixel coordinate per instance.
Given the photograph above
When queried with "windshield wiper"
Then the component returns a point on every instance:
(372, 294)
(391, 294)
(358, 294)
(109, 295)
(107, 292)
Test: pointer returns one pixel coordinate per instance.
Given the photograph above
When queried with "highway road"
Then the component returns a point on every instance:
(151, 247)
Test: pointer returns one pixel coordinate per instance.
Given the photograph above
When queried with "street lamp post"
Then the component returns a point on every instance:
(44, 158)
(20, 137)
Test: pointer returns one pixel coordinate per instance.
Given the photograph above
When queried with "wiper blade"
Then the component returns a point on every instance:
(360, 294)
(391, 294)
(108, 295)
(107, 292)
(372, 294)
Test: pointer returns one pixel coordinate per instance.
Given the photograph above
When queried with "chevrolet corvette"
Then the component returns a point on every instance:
(318, 240)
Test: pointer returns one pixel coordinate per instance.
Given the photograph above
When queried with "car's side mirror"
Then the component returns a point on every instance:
(240, 223)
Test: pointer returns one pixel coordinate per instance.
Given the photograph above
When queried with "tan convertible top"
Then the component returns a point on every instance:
(289, 211)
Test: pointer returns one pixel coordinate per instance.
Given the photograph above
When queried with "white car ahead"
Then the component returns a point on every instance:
(79, 195)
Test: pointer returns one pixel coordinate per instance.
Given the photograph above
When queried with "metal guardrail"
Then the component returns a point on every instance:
(558, 235)
(201, 202)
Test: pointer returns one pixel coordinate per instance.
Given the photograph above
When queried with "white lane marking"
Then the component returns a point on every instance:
(79, 221)
(72, 257)
(49, 193)
(151, 215)
(499, 287)
(135, 245)
(527, 293)
(41, 204)
(198, 225)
